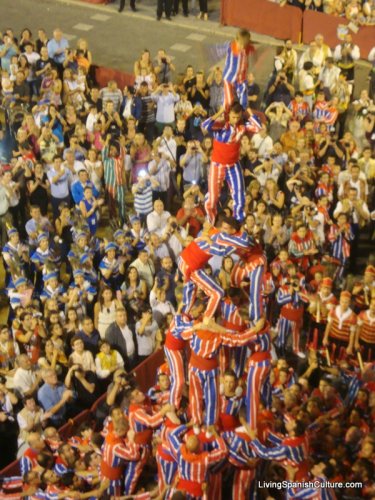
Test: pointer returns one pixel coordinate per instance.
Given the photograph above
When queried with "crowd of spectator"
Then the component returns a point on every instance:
(103, 189)
(358, 13)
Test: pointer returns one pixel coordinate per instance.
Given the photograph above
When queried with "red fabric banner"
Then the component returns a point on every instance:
(263, 17)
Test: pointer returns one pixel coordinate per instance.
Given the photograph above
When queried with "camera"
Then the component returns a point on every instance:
(164, 60)
(194, 148)
(174, 225)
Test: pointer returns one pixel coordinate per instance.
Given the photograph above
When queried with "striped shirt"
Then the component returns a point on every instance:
(366, 323)
(194, 467)
(143, 198)
(222, 131)
(236, 63)
(240, 451)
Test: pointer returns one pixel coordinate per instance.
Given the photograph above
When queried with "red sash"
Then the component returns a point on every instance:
(224, 153)
(194, 257)
(172, 343)
(203, 363)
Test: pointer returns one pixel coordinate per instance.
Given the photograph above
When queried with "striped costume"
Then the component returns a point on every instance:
(194, 258)
(225, 164)
(235, 74)
(291, 315)
(229, 409)
(324, 114)
(366, 335)
(297, 246)
(317, 493)
(28, 460)
(240, 452)
(290, 450)
(323, 304)
(166, 463)
(214, 480)
(232, 319)
(204, 370)
(115, 453)
(299, 109)
(340, 239)
(142, 421)
(174, 352)
(258, 376)
(193, 468)
(114, 170)
(251, 267)
(341, 326)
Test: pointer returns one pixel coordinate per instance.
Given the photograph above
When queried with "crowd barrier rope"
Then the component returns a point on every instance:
(145, 374)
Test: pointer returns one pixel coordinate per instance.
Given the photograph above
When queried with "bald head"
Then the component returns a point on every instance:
(192, 444)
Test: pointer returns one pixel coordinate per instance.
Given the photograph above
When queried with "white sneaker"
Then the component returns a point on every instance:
(301, 355)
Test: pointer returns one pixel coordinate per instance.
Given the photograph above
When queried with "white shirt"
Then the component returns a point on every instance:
(264, 145)
(127, 334)
(146, 341)
(329, 76)
(354, 213)
(156, 223)
(91, 120)
(23, 380)
(355, 53)
(168, 147)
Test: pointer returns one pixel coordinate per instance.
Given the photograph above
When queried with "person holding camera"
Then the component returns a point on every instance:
(165, 98)
(175, 238)
(192, 164)
(190, 216)
(159, 169)
(163, 65)
(280, 90)
(83, 384)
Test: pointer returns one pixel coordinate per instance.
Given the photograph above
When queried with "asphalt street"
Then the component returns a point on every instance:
(116, 40)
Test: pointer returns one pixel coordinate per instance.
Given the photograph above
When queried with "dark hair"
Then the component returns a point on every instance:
(230, 373)
(231, 221)
(300, 428)
(236, 108)
(102, 290)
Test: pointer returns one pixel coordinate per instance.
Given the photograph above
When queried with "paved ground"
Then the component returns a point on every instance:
(115, 39)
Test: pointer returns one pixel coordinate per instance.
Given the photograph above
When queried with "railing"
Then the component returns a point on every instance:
(145, 374)
(268, 18)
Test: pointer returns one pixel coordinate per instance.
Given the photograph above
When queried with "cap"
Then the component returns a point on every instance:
(118, 233)
(20, 281)
(110, 246)
(49, 276)
(78, 272)
(11, 231)
(42, 236)
(80, 234)
(370, 270)
(135, 218)
(327, 282)
(346, 294)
